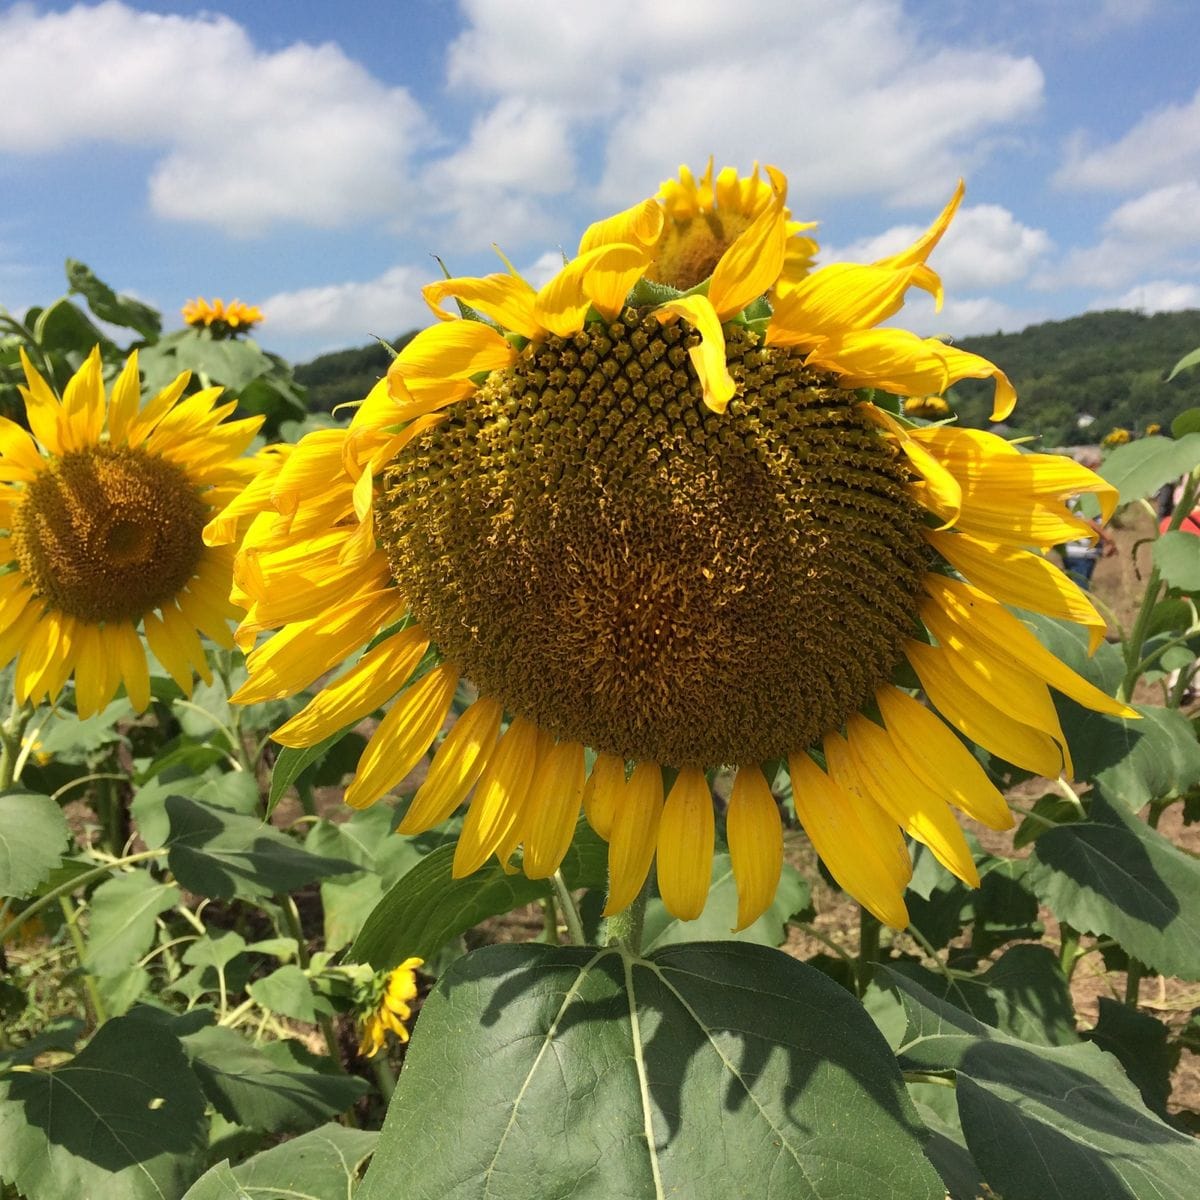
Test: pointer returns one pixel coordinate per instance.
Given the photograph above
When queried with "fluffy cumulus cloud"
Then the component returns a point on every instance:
(1158, 295)
(317, 140)
(1158, 230)
(341, 313)
(1163, 147)
(851, 99)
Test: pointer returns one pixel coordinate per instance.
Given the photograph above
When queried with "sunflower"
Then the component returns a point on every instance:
(101, 512)
(389, 1008)
(660, 533)
(927, 408)
(225, 320)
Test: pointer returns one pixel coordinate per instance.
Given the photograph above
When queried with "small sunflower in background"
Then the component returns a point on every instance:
(656, 527)
(1153, 429)
(387, 1007)
(1116, 437)
(927, 408)
(223, 320)
(103, 505)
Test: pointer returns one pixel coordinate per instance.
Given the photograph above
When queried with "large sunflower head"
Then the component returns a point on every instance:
(101, 513)
(661, 533)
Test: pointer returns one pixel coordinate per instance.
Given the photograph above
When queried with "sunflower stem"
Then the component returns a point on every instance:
(624, 928)
(11, 733)
(868, 948)
(70, 914)
(570, 910)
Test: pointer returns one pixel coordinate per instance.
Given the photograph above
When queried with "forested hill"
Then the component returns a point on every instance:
(1111, 366)
(1107, 365)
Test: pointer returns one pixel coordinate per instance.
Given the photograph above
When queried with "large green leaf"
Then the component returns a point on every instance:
(428, 907)
(719, 917)
(1046, 1121)
(123, 1120)
(1140, 468)
(709, 1070)
(321, 1165)
(288, 991)
(1177, 557)
(123, 912)
(275, 1088)
(1114, 876)
(220, 853)
(33, 836)
(108, 306)
(1140, 1044)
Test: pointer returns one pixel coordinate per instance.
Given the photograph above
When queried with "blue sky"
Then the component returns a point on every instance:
(311, 158)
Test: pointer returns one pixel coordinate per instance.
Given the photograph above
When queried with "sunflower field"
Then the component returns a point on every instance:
(643, 747)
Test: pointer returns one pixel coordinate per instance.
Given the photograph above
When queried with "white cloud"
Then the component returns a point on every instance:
(1163, 147)
(1157, 295)
(248, 137)
(963, 316)
(1167, 216)
(338, 314)
(849, 99)
(985, 247)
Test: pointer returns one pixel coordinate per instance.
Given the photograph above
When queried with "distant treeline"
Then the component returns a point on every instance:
(1110, 366)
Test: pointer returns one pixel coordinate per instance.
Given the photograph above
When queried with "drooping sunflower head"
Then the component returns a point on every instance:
(670, 531)
(387, 1007)
(223, 320)
(927, 408)
(102, 508)
(1116, 437)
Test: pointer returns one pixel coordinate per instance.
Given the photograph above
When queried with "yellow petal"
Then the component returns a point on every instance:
(898, 361)
(841, 298)
(934, 754)
(131, 662)
(507, 299)
(440, 360)
(456, 766)
(42, 409)
(83, 405)
(918, 809)
(601, 278)
(499, 798)
(640, 225)
(755, 834)
(143, 423)
(17, 629)
(554, 799)
(1021, 578)
(708, 358)
(18, 452)
(95, 679)
(403, 736)
(123, 404)
(751, 264)
(305, 650)
(634, 835)
(968, 711)
(944, 491)
(920, 250)
(602, 792)
(987, 625)
(863, 866)
(685, 845)
(373, 680)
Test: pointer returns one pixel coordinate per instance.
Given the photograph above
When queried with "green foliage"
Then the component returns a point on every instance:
(33, 834)
(583, 1072)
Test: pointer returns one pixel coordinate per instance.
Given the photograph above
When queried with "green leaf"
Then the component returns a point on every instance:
(717, 920)
(1139, 1043)
(231, 363)
(1112, 875)
(222, 854)
(1177, 557)
(108, 306)
(123, 1120)
(69, 739)
(321, 1165)
(1046, 1121)
(427, 907)
(1188, 360)
(275, 1088)
(33, 836)
(292, 762)
(288, 991)
(708, 1070)
(947, 1147)
(64, 328)
(123, 911)
(1138, 469)
(1024, 993)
